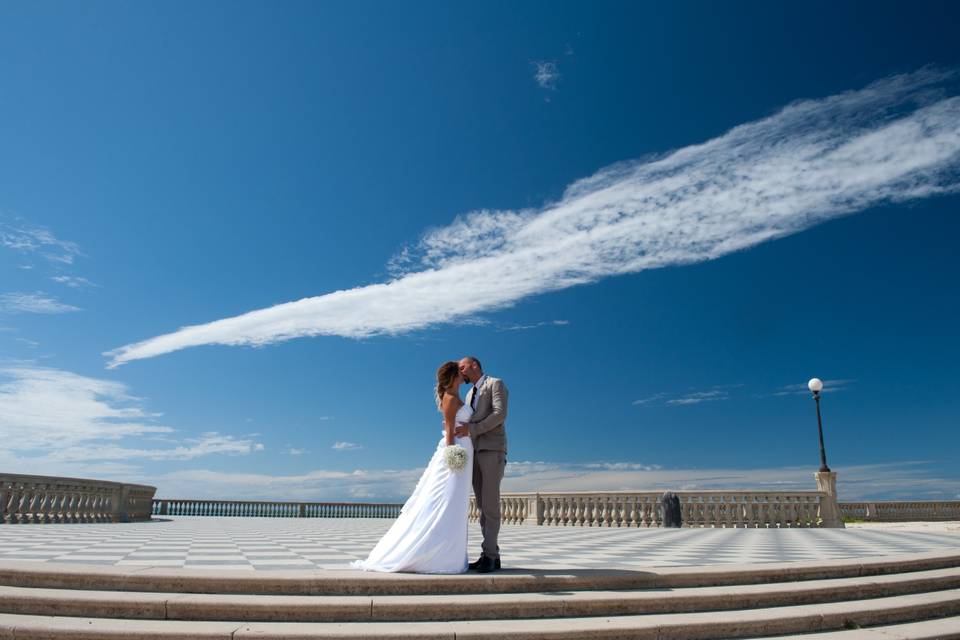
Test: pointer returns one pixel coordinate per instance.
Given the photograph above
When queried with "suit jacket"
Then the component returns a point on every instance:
(488, 424)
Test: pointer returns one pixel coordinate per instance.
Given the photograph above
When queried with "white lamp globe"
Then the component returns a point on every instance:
(815, 385)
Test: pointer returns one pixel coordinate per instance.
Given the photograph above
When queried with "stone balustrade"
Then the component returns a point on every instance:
(753, 509)
(902, 511)
(27, 499)
(274, 509)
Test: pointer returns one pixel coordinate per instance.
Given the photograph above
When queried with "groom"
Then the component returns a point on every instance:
(487, 429)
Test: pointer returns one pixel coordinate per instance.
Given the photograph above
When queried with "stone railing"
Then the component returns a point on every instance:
(753, 509)
(272, 509)
(39, 499)
(917, 511)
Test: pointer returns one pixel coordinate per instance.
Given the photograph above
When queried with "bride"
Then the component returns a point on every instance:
(430, 536)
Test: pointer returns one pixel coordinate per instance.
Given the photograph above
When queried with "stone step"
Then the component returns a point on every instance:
(345, 582)
(299, 608)
(938, 629)
(686, 626)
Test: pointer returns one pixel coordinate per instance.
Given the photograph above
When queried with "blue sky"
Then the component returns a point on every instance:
(654, 222)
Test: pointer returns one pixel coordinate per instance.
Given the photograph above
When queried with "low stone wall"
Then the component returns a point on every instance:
(902, 511)
(274, 509)
(26, 499)
(753, 509)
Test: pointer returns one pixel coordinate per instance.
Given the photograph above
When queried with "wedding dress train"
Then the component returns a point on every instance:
(430, 535)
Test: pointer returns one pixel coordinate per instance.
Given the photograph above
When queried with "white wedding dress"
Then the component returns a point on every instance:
(430, 536)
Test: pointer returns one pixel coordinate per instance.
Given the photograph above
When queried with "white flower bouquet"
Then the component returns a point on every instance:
(455, 457)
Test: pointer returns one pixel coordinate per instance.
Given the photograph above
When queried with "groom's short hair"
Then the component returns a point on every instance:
(476, 360)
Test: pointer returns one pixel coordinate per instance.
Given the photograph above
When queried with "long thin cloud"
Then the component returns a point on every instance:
(895, 140)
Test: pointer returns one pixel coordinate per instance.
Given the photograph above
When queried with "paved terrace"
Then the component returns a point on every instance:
(248, 544)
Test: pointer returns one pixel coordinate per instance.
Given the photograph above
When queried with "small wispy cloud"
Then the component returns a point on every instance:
(650, 399)
(296, 451)
(535, 325)
(38, 302)
(829, 386)
(21, 236)
(894, 141)
(75, 282)
(699, 396)
(689, 397)
(546, 74)
(345, 446)
(33, 344)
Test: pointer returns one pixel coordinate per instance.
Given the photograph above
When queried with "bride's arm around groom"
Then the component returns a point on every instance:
(497, 415)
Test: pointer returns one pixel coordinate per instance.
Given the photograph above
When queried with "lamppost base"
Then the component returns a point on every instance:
(829, 508)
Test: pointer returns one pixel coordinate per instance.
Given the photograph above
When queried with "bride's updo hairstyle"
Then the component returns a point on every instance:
(445, 375)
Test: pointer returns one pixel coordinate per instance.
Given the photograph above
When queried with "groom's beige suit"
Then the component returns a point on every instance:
(488, 432)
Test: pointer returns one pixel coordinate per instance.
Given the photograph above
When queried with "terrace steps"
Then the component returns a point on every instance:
(914, 596)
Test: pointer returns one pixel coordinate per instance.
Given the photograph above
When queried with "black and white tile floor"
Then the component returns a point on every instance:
(248, 544)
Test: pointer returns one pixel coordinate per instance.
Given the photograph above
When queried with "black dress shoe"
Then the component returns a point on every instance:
(488, 565)
(473, 566)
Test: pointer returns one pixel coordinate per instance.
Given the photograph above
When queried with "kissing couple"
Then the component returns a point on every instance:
(430, 536)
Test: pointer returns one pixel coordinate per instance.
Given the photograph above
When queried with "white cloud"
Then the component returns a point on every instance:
(33, 303)
(535, 325)
(829, 386)
(904, 480)
(296, 451)
(894, 141)
(718, 392)
(546, 74)
(43, 409)
(345, 446)
(319, 485)
(52, 419)
(654, 398)
(207, 444)
(75, 282)
(21, 236)
(699, 396)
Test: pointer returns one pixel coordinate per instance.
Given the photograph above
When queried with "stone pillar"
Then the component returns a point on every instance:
(829, 509)
(121, 512)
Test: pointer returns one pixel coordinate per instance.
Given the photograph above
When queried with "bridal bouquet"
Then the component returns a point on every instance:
(455, 457)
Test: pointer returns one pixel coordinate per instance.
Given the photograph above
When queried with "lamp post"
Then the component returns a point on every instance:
(816, 386)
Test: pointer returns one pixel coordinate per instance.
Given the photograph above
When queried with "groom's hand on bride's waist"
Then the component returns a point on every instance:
(461, 430)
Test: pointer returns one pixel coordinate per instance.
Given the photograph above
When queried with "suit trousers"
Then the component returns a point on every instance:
(488, 467)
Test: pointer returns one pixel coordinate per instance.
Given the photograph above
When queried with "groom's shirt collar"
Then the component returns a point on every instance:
(480, 381)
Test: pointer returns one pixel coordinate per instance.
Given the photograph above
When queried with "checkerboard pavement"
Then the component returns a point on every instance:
(248, 544)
